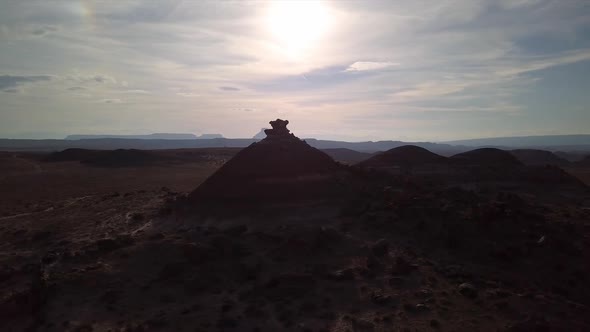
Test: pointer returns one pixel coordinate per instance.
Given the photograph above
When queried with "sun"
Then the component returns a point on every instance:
(297, 26)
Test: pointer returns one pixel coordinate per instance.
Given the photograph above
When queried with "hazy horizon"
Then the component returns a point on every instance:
(338, 70)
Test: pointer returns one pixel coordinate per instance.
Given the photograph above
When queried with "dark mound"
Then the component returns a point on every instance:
(122, 158)
(549, 175)
(72, 155)
(486, 157)
(280, 168)
(585, 162)
(407, 155)
(533, 157)
(105, 158)
(347, 155)
(570, 156)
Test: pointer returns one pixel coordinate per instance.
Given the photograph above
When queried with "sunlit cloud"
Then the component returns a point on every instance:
(10, 82)
(136, 91)
(188, 94)
(111, 101)
(368, 65)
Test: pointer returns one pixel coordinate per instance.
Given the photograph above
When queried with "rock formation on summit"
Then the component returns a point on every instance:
(279, 130)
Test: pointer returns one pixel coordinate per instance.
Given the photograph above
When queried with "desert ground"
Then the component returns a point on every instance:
(94, 243)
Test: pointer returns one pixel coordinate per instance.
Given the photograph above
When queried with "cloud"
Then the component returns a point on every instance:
(510, 4)
(42, 31)
(111, 101)
(369, 65)
(92, 78)
(8, 82)
(188, 94)
(136, 91)
(228, 88)
(13, 90)
(76, 88)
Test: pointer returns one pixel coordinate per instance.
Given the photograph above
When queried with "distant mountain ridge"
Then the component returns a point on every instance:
(98, 142)
(169, 136)
(527, 141)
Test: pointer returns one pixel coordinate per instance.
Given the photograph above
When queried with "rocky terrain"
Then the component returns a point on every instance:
(283, 238)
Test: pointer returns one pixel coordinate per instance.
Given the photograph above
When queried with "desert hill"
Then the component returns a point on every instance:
(279, 167)
(405, 156)
(486, 156)
(585, 162)
(538, 157)
(347, 156)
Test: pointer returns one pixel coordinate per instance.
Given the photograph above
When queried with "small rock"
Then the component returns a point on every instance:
(49, 258)
(380, 247)
(157, 236)
(534, 324)
(342, 275)
(121, 241)
(236, 230)
(424, 293)
(380, 298)
(41, 236)
(227, 306)
(197, 253)
(396, 281)
(434, 323)
(468, 290)
(373, 263)
(402, 266)
(135, 216)
(421, 307)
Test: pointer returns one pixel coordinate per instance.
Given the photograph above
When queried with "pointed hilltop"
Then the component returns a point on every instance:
(486, 157)
(404, 156)
(279, 168)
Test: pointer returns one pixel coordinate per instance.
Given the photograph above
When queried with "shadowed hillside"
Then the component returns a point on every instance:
(404, 156)
(486, 156)
(538, 157)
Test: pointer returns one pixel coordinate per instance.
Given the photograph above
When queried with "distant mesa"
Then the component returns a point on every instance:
(167, 136)
(486, 157)
(404, 156)
(209, 136)
(261, 134)
(279, 168)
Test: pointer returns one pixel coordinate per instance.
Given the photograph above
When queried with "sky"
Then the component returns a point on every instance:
(344, 70)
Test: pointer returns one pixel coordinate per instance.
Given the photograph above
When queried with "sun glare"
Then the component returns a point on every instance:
(297, 26)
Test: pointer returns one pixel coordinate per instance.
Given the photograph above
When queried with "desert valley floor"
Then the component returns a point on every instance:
(123, 243)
